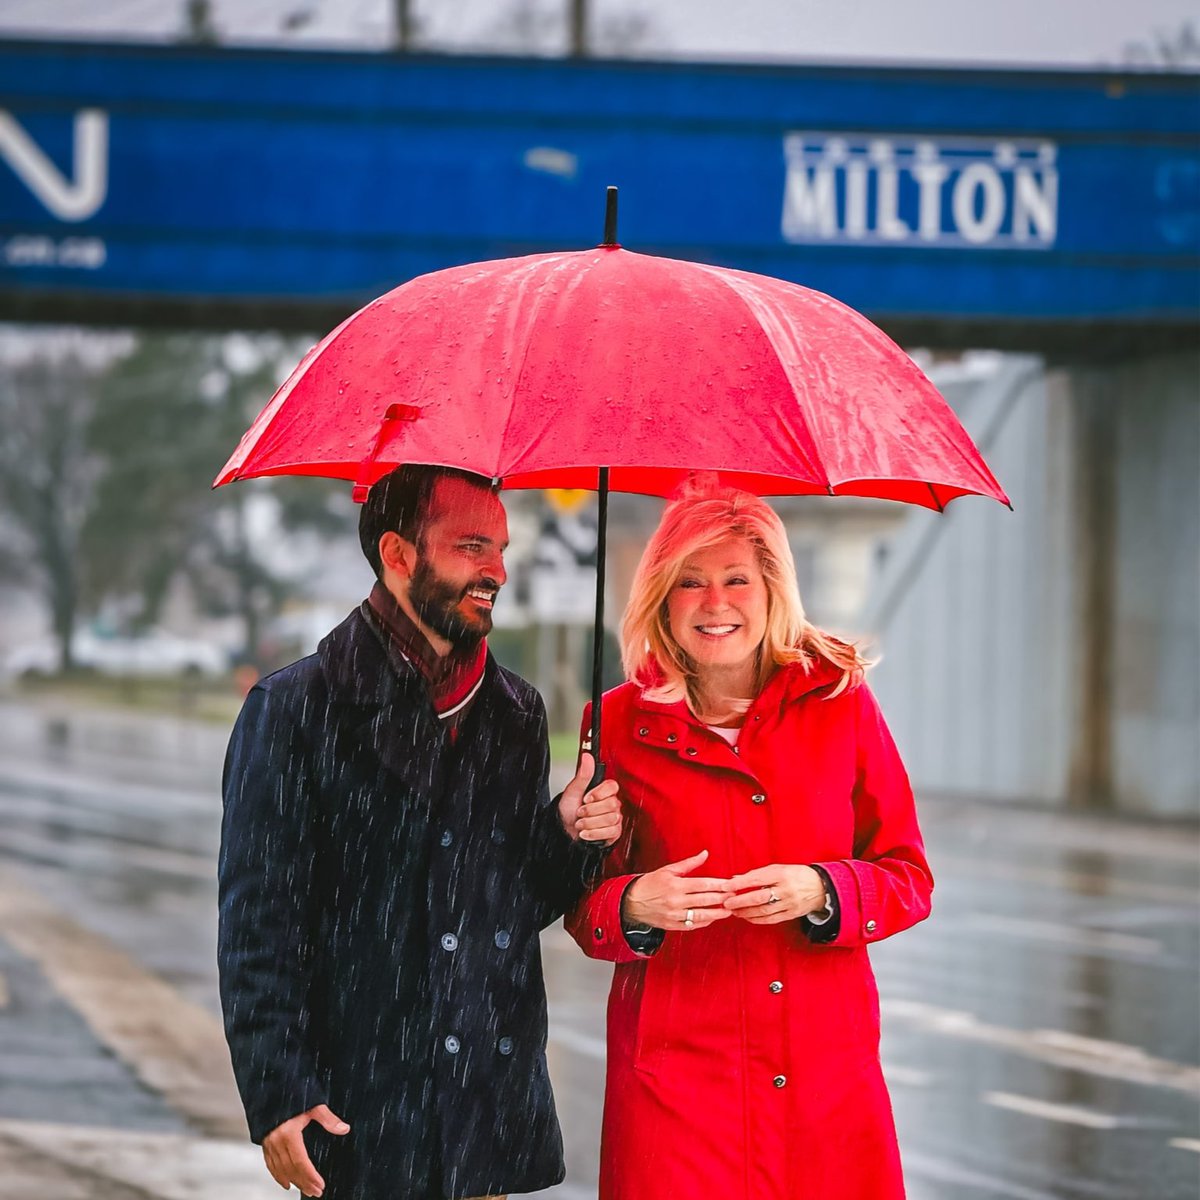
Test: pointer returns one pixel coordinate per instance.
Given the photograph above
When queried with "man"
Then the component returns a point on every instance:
(389, 854)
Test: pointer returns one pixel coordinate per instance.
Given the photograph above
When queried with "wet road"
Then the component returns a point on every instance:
(1041, 1032)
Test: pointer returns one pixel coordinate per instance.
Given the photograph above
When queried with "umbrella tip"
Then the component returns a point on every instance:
(610, 217)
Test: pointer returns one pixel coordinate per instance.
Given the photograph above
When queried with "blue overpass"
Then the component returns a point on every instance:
(283, 189)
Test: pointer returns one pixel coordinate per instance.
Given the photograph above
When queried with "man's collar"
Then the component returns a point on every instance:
(452, 679)
(402, 632)
(355, 664)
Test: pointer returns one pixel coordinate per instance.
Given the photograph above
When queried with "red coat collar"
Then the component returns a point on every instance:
(790, 682)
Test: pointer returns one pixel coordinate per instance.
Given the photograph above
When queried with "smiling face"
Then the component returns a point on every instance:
(717, 611)
(459, 565)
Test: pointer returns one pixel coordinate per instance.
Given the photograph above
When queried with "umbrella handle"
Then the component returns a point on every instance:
(599, 775)
(598, 628)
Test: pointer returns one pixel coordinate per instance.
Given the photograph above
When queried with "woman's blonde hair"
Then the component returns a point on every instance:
(702, 513)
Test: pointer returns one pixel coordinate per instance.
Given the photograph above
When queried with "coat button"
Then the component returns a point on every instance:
(870, 926)
(452, 1044)
(672, 737)
(645, 729)
(505, 1045)
(758, 798)
(692, 750)
(447, 837)
(598, 934)
(775, 986)
(780, 1081)
(449, 941)
(502, 938)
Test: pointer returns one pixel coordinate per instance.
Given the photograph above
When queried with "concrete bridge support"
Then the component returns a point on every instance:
(1053, 654)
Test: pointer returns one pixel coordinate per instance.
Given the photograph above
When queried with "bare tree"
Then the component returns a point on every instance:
(1166, 49)
(173, 410)
(107, 452)
(47, 479)
(198, 25)
(552, 26)
(404, 25)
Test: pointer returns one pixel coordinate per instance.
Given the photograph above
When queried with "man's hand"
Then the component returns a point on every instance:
(286, 1155)
(780, 892)
(673, 898)
(596, 816)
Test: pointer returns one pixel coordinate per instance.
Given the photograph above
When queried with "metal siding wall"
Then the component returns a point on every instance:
(1156, 701)
(975, 672)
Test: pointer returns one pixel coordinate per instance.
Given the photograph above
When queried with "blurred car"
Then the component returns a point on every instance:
(154, 652)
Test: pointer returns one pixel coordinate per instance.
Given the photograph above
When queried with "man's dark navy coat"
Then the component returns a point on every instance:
(382, 891)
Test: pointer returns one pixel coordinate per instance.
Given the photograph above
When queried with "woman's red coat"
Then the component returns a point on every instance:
(720, 1083)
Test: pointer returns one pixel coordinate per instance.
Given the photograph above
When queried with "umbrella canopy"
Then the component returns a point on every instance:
(541, 370)
(604, 368)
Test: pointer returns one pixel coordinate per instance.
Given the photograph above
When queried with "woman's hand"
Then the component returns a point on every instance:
(671, 898)
(780, 892)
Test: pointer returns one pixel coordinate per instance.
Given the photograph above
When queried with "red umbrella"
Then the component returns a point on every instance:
(559, 370)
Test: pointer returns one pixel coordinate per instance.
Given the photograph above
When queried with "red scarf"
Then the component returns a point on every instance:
(453, 681)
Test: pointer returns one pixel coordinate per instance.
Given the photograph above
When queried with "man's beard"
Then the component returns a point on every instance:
(435, 600)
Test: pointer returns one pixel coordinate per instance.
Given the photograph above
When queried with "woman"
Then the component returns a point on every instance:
(770, 837)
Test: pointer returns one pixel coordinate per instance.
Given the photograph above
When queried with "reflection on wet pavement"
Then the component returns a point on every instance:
(1040, 1031)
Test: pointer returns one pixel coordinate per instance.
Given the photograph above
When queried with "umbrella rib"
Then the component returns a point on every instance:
(520, 371)
(814, 455)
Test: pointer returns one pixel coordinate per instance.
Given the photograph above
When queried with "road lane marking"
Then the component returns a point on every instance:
(31, 1175)
(1069, 1114)
(162, 1166)
(100, 854)
(1080, 938)
(80, 783)
(1047, 831)
(1192, 1144)
(898, 1076)
(1057, 879)
(165, 827)
(941, 1170)
(1112, 1060)
(175, 1047)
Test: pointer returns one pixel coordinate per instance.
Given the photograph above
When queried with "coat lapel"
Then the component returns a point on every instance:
(384, 715)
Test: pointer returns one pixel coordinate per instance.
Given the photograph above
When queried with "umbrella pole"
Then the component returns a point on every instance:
(610, 239)
(598, 629)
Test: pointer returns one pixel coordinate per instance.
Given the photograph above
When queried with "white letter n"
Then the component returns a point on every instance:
(67, 200)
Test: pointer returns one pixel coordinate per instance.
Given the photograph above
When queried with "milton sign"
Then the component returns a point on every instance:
(871, 189)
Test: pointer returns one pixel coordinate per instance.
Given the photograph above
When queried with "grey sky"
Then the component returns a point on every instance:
(1018, 32)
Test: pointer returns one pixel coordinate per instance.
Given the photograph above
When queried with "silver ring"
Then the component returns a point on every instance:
(688, 923)
(772, 898)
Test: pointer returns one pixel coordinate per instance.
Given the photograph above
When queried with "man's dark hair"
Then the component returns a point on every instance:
(399, 503)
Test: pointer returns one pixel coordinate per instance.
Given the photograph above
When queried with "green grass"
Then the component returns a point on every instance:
(564, 748)
(216, 699)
